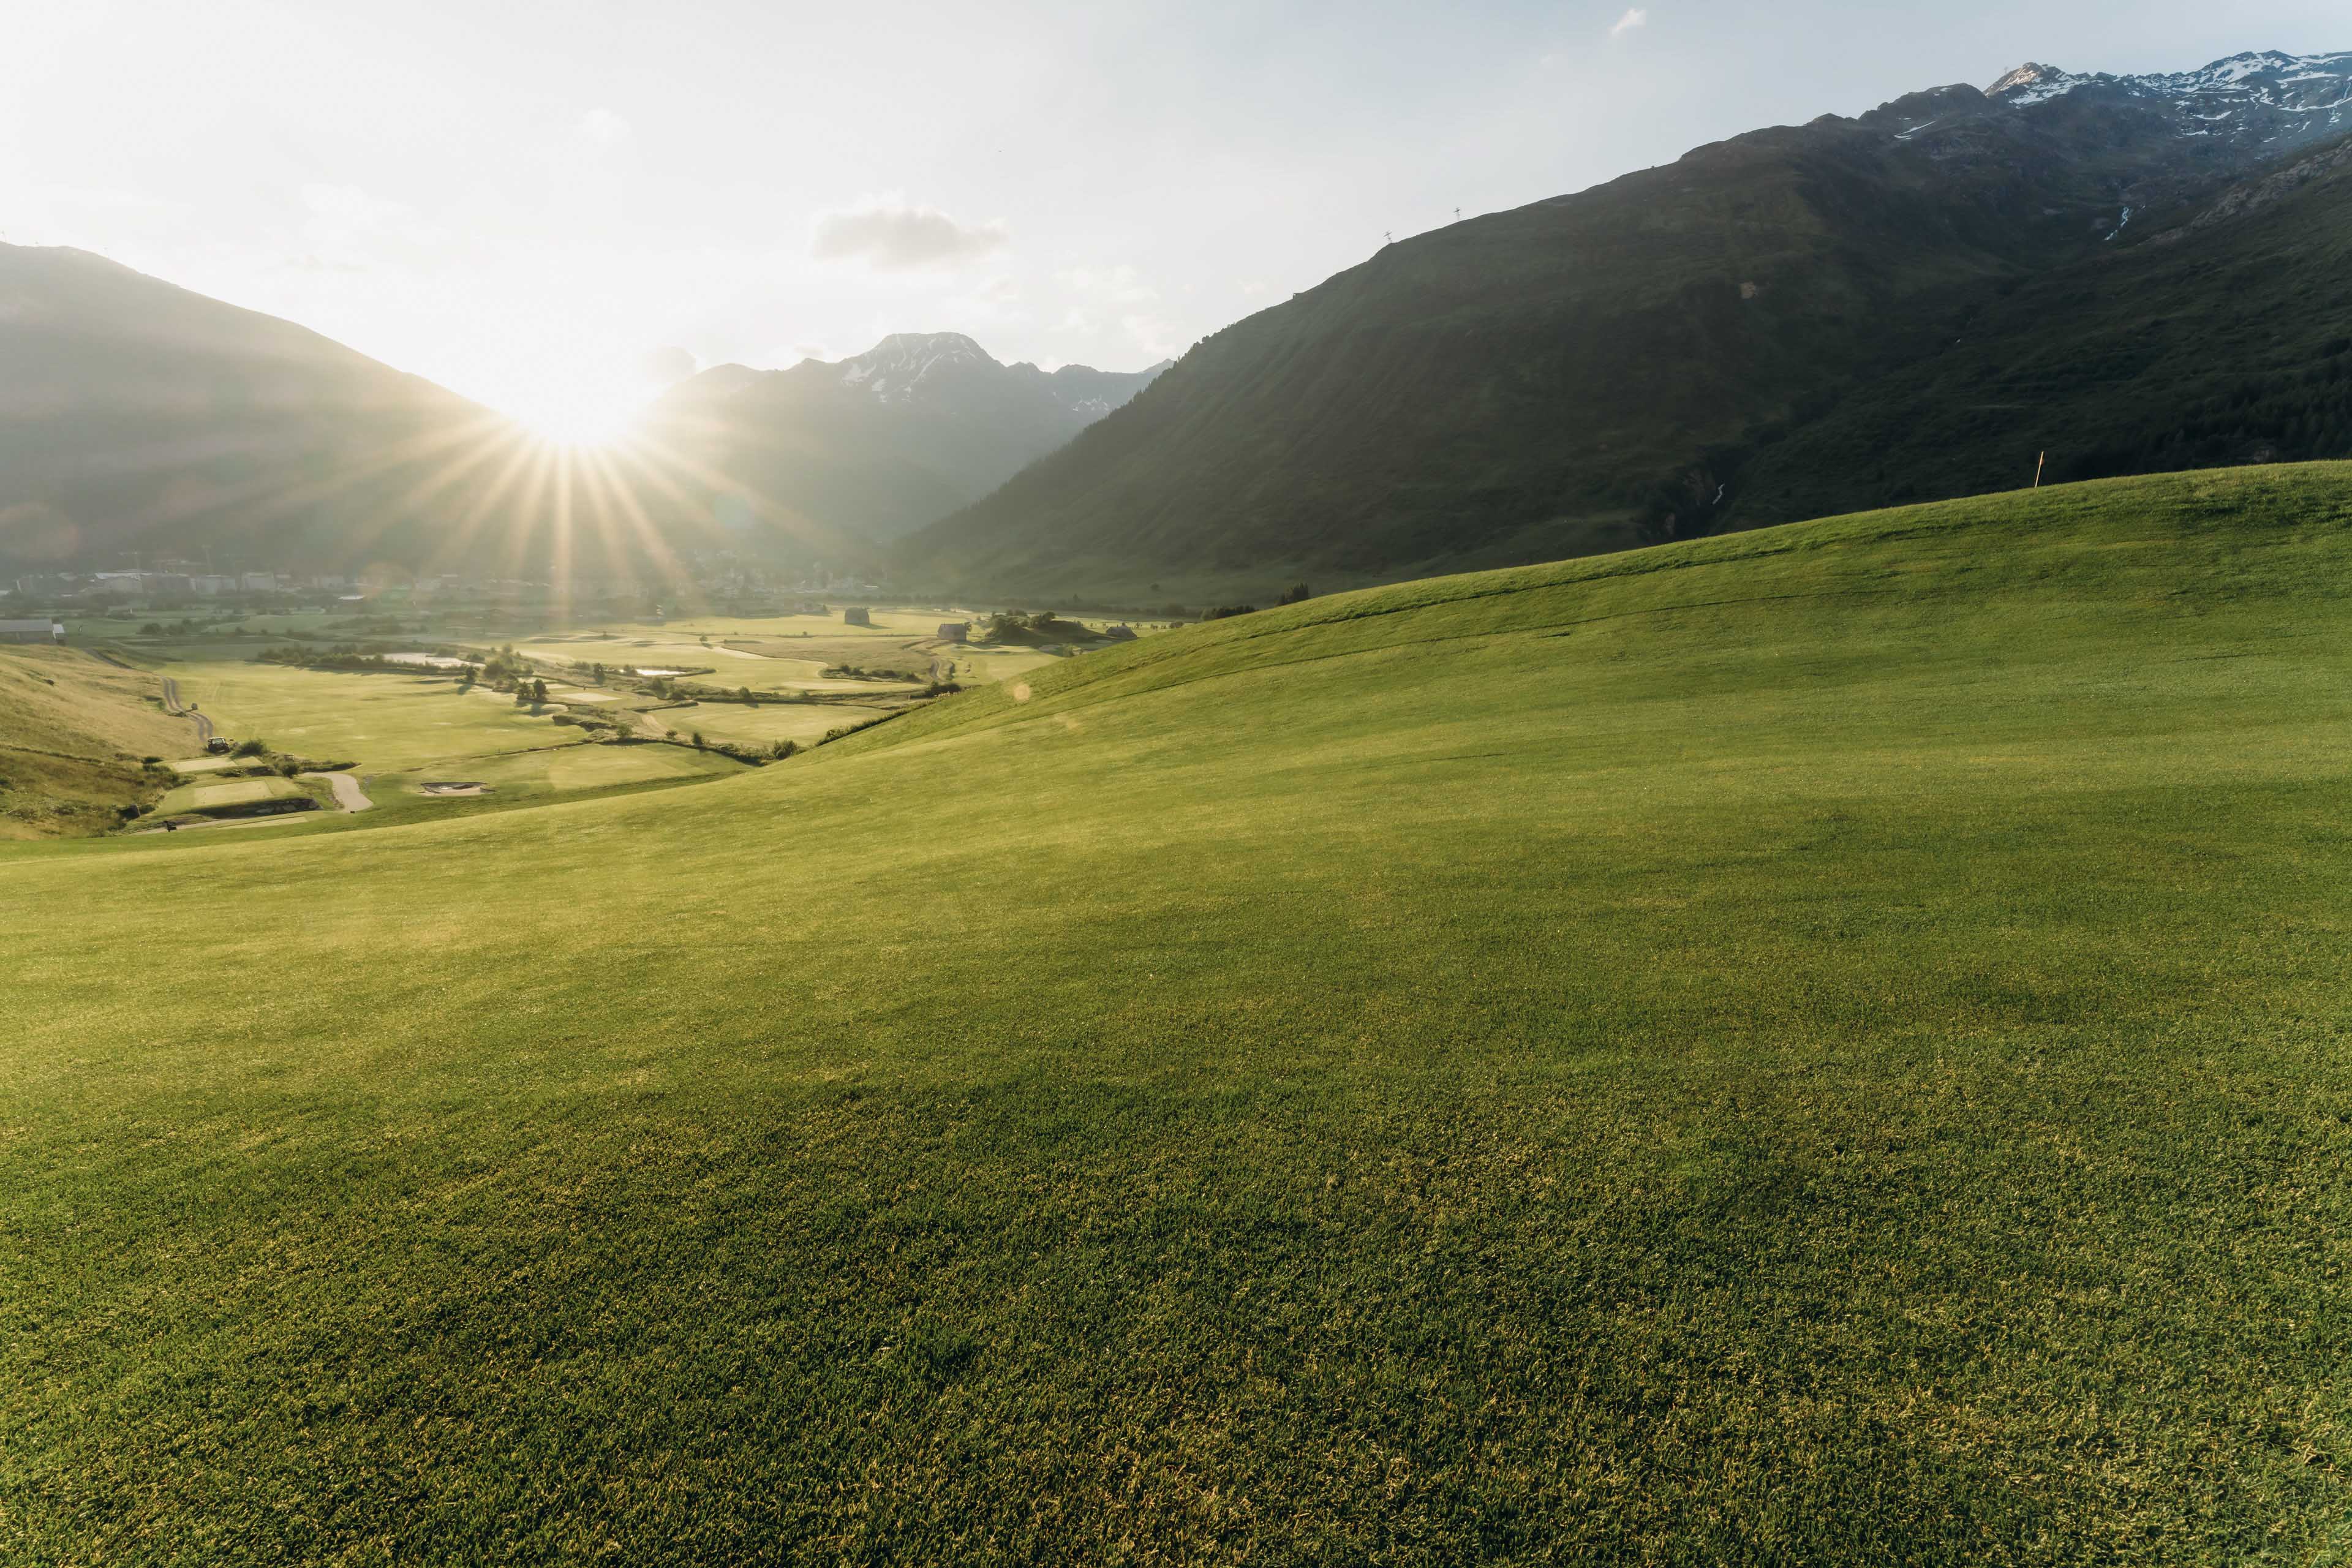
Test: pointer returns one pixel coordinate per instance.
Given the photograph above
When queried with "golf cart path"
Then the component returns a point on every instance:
(172, 705)
(347, 790)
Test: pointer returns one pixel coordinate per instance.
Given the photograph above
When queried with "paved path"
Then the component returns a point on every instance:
(172, 704)
(347, 790)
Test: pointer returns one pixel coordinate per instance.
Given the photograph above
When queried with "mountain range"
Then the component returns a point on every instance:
(874, 447)
(135, 414)
(137, 417)
(2134, 272)
(2070, 274)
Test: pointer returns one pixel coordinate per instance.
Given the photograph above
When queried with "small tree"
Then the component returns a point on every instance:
(699, 744)
(784, 749)
(538, 691)
(744, 695)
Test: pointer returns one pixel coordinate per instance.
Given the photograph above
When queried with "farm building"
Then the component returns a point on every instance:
(42, 630)
(1119, 634)
(857, 618)
(955, 631)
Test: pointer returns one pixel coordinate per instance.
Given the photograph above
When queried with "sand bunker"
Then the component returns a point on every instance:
(447, 789)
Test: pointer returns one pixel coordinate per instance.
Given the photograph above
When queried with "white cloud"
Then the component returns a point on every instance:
(1634, 19)
(891, 235)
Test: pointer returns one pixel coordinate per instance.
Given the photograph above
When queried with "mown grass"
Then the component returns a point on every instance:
(383, 721)
(212, 794)
(764, 723)
(1825, 1045)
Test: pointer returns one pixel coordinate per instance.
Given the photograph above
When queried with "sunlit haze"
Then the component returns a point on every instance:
(525, 201)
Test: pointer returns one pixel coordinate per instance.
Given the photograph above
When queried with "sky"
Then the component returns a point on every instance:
(555, 208)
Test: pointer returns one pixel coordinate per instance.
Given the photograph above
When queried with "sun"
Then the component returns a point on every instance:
(568, 411)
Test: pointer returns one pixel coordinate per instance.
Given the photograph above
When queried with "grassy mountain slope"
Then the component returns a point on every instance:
(138, 419)
(2225, 339)
(1583, 372)
(73, 730)
(136, 414)
(1825, 1044)
(1533, 369)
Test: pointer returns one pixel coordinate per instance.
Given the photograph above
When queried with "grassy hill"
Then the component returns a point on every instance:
(73, 731)
(1821, 1044)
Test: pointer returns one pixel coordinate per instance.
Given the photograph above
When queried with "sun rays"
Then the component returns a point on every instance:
(465, 491)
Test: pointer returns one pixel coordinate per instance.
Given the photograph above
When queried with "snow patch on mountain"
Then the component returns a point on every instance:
(2265, 101)
(895, 369)
(2035, 83)
(2256, 77)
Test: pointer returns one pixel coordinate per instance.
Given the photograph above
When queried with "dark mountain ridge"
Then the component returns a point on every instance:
(1593, 370)
(139, 419)
(133, 410)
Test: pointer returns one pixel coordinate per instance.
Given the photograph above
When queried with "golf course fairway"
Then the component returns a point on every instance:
(1829, 1045)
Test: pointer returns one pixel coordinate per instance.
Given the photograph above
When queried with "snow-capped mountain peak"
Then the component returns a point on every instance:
(2034, 82)
(2265, 76)
(895, 368)
(2265, 101)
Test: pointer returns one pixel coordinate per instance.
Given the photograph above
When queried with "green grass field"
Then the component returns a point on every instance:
(765, 724)
(404, 730)
(222, 796)
(386, 722)
(74, 731)
(564, 770)
(1824, 1045)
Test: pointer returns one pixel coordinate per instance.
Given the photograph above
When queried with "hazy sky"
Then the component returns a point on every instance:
(524, 199)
